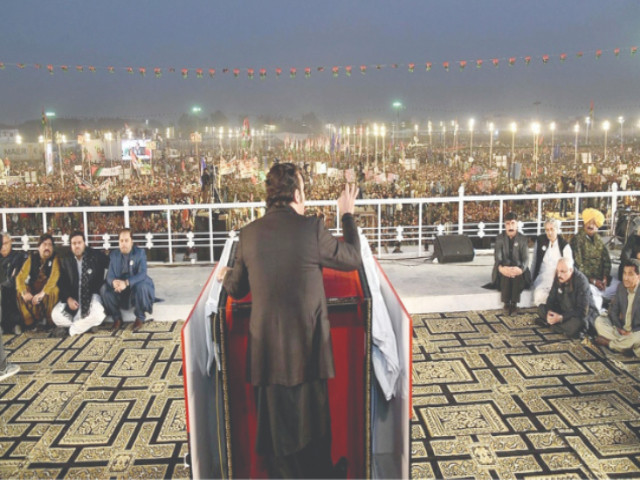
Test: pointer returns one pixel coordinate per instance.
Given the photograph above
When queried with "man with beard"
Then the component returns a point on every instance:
(37, 284)
(10, 264)
(549, 248)
(511, 270)
(570, 308)
(127, 282)
(620, 328)
(279, 259)
(592, 257)
(81, 277)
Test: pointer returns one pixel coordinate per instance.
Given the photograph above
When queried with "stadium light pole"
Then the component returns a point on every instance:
(576, 129)
(535, 128)
(605, 126)
(196, 111)
(621, 122)
(429, 130)
(552, 127)
(588, 122)
(397, 105)
(471, 124)
(491, 127)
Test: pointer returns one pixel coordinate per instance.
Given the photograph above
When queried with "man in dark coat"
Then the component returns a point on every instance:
(81, 277)
(570, 308)
(511, 269)
(127, 282)
(10, 264)
(279, 259)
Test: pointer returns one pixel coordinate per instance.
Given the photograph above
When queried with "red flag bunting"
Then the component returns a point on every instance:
(512, 61)
(129, 69)
(598, 53)
(634, 50)
(545, 58)
(50, 68)
(212, 72)
(335, 71)
(307, 72)
(64, 68)
(110, 69)
(92, 69)
(363, 69)
(143, 71)
(579, 54)
(278, 72)
(527, 60)
(348, 69)
(293, 72)
(157, 72)
(428, 66)
(446, 65)
(462, 63)
(79, 68)
(479, 63)
(250, 72)
(263, 73)
(412, 67)
(495, 62)
(616, 52)
(563, 57)
(236, 72)
(199, 72)
(184, 72)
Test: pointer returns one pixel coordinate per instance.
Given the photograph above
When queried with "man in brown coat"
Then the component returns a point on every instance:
(279, 259)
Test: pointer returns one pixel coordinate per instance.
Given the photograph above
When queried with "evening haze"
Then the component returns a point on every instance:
(293, 34)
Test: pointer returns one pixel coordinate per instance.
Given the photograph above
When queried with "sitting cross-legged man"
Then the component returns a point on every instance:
(128, 284)
(81, 277)
(619, 329)
(570, 307)
(37, 284)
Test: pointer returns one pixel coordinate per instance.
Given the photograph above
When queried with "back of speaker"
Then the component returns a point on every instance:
(453, 248)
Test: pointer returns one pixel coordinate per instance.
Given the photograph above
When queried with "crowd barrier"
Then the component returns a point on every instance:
(174, 245)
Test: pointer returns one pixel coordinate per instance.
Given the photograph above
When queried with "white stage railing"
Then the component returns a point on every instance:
(173, 244)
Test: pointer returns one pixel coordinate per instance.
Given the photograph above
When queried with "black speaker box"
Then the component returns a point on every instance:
(453, 248)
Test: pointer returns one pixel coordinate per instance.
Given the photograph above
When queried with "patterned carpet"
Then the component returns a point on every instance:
(95, 406)
(494, 397)
(498, 397)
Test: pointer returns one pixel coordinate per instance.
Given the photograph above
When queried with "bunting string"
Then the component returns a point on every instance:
(336, 70)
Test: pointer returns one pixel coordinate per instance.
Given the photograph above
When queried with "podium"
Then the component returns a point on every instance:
(369, 430)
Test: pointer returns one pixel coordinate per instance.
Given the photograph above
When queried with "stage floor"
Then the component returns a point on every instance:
(494, 397)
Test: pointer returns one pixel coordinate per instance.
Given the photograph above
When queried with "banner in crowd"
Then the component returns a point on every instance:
(321, 168)
(109, 172)
(350, 175)
(335, 173)
(410, 163)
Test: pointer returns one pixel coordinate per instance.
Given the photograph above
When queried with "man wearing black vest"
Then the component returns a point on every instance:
(81, 277)
(511, 267)
(279, 259)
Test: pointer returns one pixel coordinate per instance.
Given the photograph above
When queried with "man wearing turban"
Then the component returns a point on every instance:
(592, 257)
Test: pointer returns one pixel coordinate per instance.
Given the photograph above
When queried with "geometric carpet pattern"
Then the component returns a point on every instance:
(496, 396)
(96, 405)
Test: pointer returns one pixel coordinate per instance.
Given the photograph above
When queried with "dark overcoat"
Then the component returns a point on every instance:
(279, 259)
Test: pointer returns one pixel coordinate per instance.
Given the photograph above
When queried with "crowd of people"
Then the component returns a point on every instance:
(414, 171)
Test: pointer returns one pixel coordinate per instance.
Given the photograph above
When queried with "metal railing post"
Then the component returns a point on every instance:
(379, 229)
(460, 209)
(170, 239)
(4, 222)
(211, 235)
(86, 226)
(125, 203)
(501, 216)
(577, 214)
(614, 206)
(44, 221)
(419, 229)
(539, 215)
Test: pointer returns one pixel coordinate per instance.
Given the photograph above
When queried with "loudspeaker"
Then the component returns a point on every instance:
(453, 248)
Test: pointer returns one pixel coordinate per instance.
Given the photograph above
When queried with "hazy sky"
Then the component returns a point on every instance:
(293, 33)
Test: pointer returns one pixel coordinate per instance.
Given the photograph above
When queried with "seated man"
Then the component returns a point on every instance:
(549, 248)
(511, 263)
(10, 264)
(620, 328)
(128, 283)
(37, 284)
(81, 277)
(592, 257)
(631, 249)
(570, 308)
